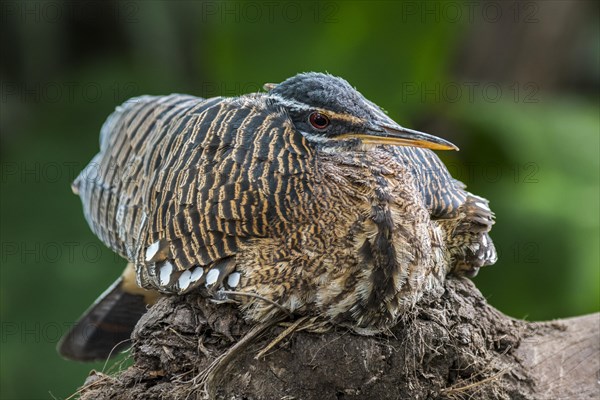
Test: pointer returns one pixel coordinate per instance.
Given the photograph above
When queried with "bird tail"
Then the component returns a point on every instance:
(106, 327)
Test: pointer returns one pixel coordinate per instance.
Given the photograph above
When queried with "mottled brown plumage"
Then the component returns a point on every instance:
(253, 195)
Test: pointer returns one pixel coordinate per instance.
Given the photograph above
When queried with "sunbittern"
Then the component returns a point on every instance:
(307, 197)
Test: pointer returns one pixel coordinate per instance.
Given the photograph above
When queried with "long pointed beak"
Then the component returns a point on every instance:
(397, 135)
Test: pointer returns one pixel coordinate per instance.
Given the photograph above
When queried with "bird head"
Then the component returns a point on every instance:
(330, 113)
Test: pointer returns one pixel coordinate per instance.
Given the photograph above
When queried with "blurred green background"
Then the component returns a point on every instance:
(514, 85)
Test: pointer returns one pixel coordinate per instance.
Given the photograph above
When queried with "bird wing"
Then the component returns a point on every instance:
(447, 199)
(442, 194)
(184, 180)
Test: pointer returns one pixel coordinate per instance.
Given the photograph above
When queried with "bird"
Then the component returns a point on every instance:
(305, 198)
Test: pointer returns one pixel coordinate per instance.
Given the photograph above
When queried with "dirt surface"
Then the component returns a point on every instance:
(453, 347)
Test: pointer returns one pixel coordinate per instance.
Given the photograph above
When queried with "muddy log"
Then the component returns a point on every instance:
(453, 347)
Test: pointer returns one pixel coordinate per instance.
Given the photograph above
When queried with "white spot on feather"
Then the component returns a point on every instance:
(165, 273)
(212, 276)
(152, 250)
(233, 279)
(184, 279)
(197, 274)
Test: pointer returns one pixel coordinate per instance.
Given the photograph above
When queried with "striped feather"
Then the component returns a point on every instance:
(204, 175)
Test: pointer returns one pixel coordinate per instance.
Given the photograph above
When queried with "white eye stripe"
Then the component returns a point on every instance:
(315, 138)
(289, 103)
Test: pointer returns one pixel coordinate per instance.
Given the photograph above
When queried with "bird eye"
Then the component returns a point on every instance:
(318, 120)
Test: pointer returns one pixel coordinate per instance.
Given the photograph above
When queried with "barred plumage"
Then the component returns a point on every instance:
(244, 194)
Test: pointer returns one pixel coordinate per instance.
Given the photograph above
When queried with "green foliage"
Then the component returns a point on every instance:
(541, 172)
